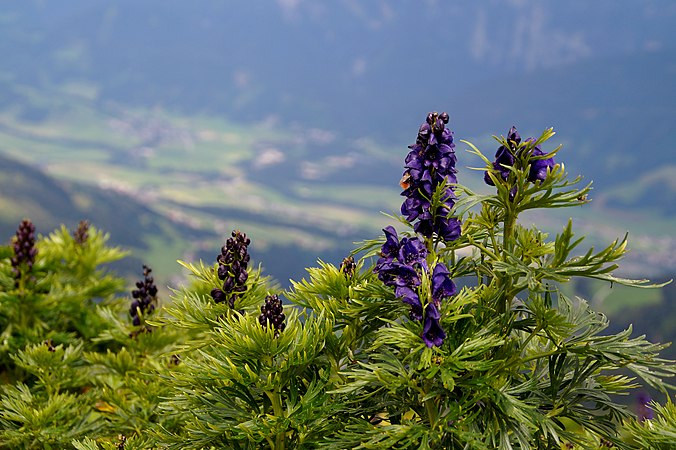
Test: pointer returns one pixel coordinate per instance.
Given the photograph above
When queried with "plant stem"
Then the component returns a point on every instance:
(431, 409)
(276, 400)
(508, 248)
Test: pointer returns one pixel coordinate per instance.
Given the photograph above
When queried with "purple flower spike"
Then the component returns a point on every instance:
(430, 163)
(433, 335)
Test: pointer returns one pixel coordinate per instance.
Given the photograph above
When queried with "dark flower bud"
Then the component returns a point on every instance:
(231, 300)
(222, 272)
(444, 117)
(81, 234)
(232, 268)
(424, 132)
(513, 136)
(24, 249)
(218, 295)
(272, 314)
(242, 276)
(121, 441)
(348, 266)
(229, 284)
(145, 297)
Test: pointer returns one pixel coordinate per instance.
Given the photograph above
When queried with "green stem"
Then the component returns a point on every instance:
(508, 248)
(276, 400)
(431, 408)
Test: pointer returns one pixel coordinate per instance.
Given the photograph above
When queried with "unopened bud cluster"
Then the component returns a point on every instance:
(232, 269)
(145, 297)
(272, 314)
(81, 234)
(23, 245)
(348, 266)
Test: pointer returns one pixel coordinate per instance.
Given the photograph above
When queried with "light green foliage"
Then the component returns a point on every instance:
(522, 366)
(658, 433)
(57, 299)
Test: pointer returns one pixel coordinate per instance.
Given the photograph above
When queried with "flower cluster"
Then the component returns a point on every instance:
(348, 266)
(24, 249)
(81, 234)
(508, 156)
(145, 297)
(402, 265)
(272, 314)
(430, 164)
(232, 269)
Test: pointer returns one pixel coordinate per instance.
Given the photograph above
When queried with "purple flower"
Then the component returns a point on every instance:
(505, 156)
(410, 297)
(513, 156)
(430, 163)
(412, 252)
(539, 166)
(433, 335)
(644, 411)
(391, 246)
(448, 227)
(397, 274)
(442, 285)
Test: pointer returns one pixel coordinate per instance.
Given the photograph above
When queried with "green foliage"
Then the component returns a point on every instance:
(658, 433)
(522, 365)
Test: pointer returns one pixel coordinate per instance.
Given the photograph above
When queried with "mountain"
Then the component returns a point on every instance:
(291, 118)
(27, 192)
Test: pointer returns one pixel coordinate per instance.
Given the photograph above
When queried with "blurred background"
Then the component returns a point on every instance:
(171, 123)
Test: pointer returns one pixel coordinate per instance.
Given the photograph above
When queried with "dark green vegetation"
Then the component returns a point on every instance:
(510, 362)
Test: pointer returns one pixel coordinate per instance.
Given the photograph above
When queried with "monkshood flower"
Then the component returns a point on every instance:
(433, 335)
(145, 297)
(400, 262)
(442, 285)
(507, 157)
(232, 269)
(429, 164)
(644, 412)
(538, 166)
(402, 265)
(272, 314)
(23, 245)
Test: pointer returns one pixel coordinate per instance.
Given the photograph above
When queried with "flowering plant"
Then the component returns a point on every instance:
(449, 332)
